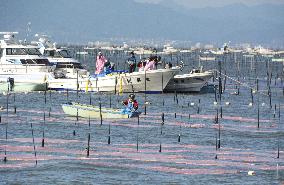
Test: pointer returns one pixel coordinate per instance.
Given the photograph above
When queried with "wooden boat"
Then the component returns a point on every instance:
(92, 111)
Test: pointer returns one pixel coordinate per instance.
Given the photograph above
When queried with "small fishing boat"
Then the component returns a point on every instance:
(152, 81)
(92, 111)
(190, 82)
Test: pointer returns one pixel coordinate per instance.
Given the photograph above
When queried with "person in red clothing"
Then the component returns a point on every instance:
(131, 104)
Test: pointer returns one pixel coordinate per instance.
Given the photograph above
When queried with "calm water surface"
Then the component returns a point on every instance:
(140, 154)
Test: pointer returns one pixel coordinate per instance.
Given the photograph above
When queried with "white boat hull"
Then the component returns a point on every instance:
(188, 82)
(22, 87)
(156, 81)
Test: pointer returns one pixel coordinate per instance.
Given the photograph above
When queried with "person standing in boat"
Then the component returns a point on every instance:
(100, 63)
(151, 63)
(131, 62)
(131, 105)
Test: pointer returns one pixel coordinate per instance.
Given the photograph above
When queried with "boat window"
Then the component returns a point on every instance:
(32, 51)
(42, 61)
(65, 54)
(15, 51)
(69, 65)
(182, 81)
(22, 51)
(14, 61)
(35, 61)
(176, 81)
(49, 53)
(27, 61)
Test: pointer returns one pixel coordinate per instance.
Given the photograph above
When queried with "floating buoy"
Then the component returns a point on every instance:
(251, 172)
(250, 104)
(227, 103)
(215, 103)
(263, 104)
(254, 91)
(192, 104)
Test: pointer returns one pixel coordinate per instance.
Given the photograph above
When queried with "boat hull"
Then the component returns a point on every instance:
(188, 82)
(152, 81)
(22, 87)
(23, 82)
(90, 111)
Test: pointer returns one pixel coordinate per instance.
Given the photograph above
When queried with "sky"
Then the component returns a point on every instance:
(215, 3)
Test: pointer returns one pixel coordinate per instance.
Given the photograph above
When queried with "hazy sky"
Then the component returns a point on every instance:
(215, 3)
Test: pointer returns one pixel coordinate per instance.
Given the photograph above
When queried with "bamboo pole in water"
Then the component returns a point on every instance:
(101, 116)
(15, 108)
(137, 134)
(145, 97)
(42, 142)
(108, 141)
(34, 142)
(89, 138)
(161, 135)
(216, 146)
(6, 128)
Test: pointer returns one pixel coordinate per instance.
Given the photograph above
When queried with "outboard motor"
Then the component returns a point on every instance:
(11, 83)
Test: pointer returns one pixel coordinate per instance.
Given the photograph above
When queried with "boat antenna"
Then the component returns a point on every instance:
(28, 31)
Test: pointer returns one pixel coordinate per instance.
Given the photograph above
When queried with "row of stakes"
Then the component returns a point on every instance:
(218, 136)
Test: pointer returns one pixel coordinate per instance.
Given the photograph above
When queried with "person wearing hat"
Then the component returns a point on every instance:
(100, 63)
(131, 104)
(131, 62)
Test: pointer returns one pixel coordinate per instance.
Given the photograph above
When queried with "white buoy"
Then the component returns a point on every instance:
(227, 103)
(192, 104)
(263, 104)
(254, 91)
(250, 104)
(251, 172)
(215, 103)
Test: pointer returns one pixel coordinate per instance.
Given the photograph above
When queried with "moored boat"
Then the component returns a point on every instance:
(24, 64)
(190, 82)
(10, 85)
(152, 81)
(92, 111)
(65, 65)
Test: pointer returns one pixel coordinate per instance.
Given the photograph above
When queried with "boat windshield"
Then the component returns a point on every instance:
(57, 54)
(64, 54)
(69, 65)
(35, 61)
(22, 51)
(32, 51)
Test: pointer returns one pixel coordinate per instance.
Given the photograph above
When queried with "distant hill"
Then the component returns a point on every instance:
(80, 21)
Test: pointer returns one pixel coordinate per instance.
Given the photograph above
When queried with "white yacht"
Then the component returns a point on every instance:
(66, 66)
(190, 82)
(22, 66)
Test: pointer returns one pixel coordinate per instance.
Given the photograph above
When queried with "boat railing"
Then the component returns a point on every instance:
(27, 68)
